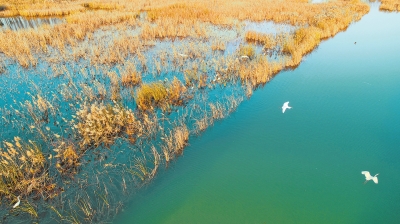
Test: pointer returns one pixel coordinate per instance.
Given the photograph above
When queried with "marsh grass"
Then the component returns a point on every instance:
(160, 94)
(218, 46)
(68, 160)
(100, 125)
(247, 50)
(390, 5)
(269, 41)
(217, 111)
(150, 95)
(258, 72)
(23, 170)
(195, 77)
(130, 77)
(175, 141)
(96, 5)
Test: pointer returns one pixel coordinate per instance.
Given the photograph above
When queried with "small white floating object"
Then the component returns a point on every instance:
(244, 57)
(18, 202)
(183, 55)
(285, 106)
(368, 177)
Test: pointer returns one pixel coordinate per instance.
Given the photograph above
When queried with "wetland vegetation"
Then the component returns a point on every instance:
(93, 105)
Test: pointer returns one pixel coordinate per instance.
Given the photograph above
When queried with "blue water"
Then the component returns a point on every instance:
(303, 166)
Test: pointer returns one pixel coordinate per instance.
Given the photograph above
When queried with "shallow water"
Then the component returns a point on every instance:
(304, 166)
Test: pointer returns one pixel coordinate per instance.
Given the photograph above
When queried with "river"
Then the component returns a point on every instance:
(303, 166)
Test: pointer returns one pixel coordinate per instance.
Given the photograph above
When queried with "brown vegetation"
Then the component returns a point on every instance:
(67, 159)
(23, 170)
(159, 94)
(390, 5)
(99, 124)
(130, 77)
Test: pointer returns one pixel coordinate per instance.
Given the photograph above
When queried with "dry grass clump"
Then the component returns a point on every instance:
(39, 111)
(268, 40)
(23, 170)
(116, 51)
(181, 137)
(247, 50)
(150, 95)
(193, 77)
(259, 71)
(218, 46)
(390, 5)
(175, 142)
(302, 42)
(99, 124)
(130, 76)
(67, 159)
(159, 94)
(176, 93)
(218, 111)
(202, 124)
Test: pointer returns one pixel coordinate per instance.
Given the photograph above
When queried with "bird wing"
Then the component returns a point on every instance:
(286, 104)
(283, 109)
(17, 204)
(375, 179)
(367, 175)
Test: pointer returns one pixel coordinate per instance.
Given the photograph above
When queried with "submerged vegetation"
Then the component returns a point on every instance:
(94, 105)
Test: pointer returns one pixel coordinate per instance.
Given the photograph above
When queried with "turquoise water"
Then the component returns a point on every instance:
(304, 166)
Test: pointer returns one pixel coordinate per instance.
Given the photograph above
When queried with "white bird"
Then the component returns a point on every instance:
(183, 55)
(285, 106)
(368, 177)
(18, 202)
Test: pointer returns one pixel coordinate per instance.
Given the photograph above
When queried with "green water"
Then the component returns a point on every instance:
(304, 166)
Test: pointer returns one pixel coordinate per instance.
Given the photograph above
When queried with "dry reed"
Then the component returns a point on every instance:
(390, 5)
(23, 170)
(159, 94)
(99, 124)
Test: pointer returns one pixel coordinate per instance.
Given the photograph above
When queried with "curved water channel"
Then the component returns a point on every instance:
(304, 166)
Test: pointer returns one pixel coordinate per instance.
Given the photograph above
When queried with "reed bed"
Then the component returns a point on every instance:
(25, 46)
(390, 5)
(161, 95)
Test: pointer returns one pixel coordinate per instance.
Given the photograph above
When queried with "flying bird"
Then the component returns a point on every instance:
(18, 202)
(368, 177)
(285, 106)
